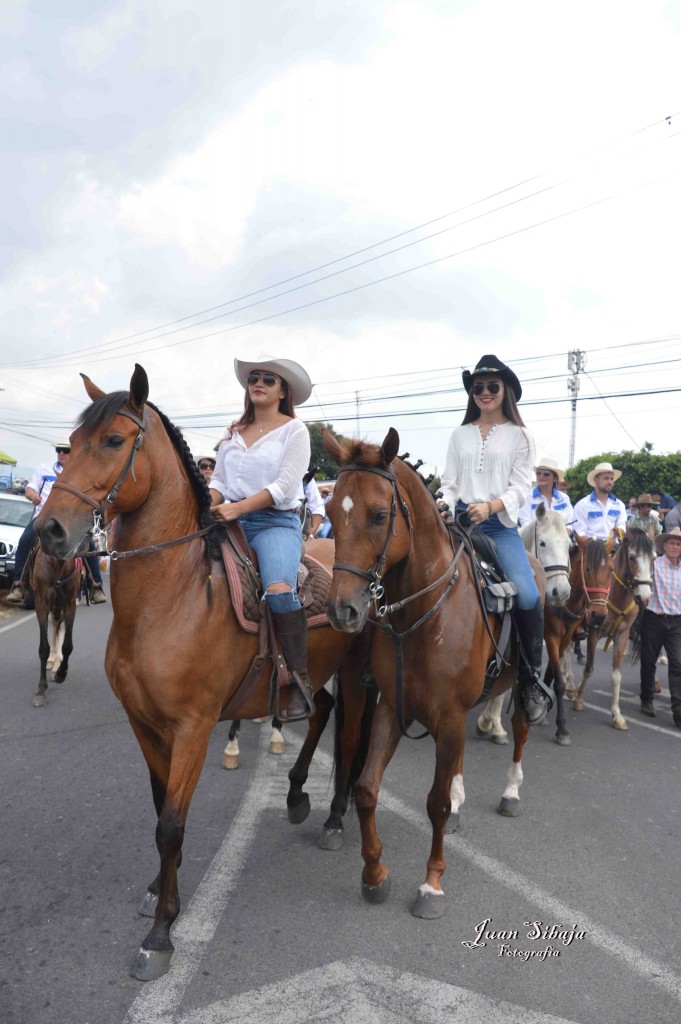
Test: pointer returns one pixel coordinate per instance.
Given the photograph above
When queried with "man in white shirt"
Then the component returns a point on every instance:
(600, 512)
(314, 508)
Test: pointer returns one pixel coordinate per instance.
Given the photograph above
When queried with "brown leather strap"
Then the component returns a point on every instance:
(247, 685)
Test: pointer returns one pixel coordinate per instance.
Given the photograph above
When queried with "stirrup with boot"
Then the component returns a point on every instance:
(291, 630)
(535, 698)
(16, 594)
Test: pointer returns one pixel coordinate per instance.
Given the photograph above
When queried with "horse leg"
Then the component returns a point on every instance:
(553, 674)
(182, 767)
(40, 696)
(276, 739)
(55, 647)
(619, 647)
(449, 746)
(489, 722)
(297, 801)
(591, 642)
(230, 755)
(566, 674)
(67, 643)
(509, 806)
(385, 735)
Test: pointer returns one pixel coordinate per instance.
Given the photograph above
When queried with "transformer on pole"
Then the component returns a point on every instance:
(576, 363)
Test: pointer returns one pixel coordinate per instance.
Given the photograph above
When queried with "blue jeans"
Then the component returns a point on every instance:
(512, 558)
(277, 539)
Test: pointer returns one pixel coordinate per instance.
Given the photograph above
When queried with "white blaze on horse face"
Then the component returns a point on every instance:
(347, 504)
(644, 571)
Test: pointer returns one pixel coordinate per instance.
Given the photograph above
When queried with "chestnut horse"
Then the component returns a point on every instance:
(176, 653)
(431, 647)
(629, 590)
(56, 584)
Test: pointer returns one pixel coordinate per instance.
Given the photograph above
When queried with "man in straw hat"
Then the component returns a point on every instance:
(600, 512)
(661, 624)
(642, 518)
(546, 492)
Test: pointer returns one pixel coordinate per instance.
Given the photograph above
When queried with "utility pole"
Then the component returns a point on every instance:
(357, 410)
(576, 363)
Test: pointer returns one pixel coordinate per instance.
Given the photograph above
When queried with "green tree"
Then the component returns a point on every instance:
(326, 467)
(640, 471)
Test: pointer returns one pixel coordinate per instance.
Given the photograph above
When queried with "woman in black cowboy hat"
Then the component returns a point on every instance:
(488, 474)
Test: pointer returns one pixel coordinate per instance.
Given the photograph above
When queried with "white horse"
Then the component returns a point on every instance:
(547, 539)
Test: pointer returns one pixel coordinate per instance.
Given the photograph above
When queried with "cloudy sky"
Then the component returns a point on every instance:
(383, 191)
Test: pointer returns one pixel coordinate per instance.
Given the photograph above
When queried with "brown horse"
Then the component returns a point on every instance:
(393, 550)
(55, 583)
(176, 653)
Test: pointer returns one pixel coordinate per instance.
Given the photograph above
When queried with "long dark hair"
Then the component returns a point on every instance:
(509, 407)
(286, 407)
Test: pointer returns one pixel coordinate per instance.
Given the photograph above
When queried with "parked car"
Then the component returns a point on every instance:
(15, 514)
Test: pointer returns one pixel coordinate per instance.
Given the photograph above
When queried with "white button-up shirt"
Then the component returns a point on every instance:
(498, 466)
(42, 481)
(593, 518)
(276, 462)
(559, 503)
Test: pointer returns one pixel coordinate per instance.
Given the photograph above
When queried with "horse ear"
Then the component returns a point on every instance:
(331, 446)
(540, 511)
(139, 387)
(390, 446)
(93, 391)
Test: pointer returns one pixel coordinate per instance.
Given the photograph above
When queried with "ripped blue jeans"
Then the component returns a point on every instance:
(276, 537)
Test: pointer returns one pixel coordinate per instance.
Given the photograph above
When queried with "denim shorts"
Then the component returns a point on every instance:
(276, 537)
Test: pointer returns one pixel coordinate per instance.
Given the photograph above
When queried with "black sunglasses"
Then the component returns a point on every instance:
(206, 465)
(63, 451)
(268, 379)
(493, 388)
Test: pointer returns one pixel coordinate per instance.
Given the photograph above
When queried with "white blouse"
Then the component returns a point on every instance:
(276, 462)
(498, 466)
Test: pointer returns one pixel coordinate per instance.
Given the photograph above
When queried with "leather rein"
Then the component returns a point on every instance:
(629, 584)
(99, 508)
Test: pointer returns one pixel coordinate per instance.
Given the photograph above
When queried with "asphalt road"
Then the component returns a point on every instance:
(272, 928)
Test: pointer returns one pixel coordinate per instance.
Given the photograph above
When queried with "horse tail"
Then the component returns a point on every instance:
(370, 691)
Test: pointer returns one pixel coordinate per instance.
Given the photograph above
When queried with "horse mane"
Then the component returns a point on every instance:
(596, 553)
(104, 409)
(640, 542)
(361, 453)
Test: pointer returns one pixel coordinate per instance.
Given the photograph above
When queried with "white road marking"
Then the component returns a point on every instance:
(29, 617)
(356, 992)
(634, 721)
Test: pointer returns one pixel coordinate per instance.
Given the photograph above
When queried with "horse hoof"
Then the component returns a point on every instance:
(40, 700)
(331, 839)
(620, 723)
(479, 731)
(258, 721)
(377, 893)
(428, 905)
(230, 761)
(297, 813)
(276, 746)
(147, 907)
(578, 705)
(58, 677)
(152, 964)
(570, 694)
(509, 807)
(451, 825)
(500, 738)
(562, 739)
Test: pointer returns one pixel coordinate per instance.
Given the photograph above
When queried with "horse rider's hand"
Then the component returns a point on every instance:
(446, 513)
(227, 512)
(478, 512)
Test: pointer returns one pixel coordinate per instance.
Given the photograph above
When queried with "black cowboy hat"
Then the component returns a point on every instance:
(490, 364)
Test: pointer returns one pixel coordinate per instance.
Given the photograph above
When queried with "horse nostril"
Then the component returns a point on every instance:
(53, 530)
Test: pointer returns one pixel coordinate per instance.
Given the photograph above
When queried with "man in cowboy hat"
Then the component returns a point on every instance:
(661, 624)
(547, 493)
(600, 512)
(642, 519)
(38, 491)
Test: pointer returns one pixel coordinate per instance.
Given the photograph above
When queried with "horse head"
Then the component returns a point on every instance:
(633, 565)
(371, 525)
(108, 472)
(595, 569)
(548, 540)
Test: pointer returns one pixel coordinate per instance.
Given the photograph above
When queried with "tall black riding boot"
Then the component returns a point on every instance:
(534, 698)
(291, 629)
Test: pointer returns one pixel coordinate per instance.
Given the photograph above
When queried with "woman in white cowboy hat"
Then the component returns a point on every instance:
(206, 465)
(548, 474)
(488, 475)
(258, 479)
(600, 512)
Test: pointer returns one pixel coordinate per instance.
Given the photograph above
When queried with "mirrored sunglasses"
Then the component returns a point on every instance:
(544, 472)
(268, 379)
(63, 451)
(494, 387)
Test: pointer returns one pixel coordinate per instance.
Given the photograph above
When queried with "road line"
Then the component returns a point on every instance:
(12, 625)
(196, 927)
(634, 721)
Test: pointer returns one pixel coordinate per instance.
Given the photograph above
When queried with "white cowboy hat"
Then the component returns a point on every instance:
(63, 444)
(602, 467)
(552, 465)
(210, 458)
(293, 373)
(674, 533)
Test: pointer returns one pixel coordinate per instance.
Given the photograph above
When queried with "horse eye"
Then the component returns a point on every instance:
(114, 441)
(542, 543)
(378, 518)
